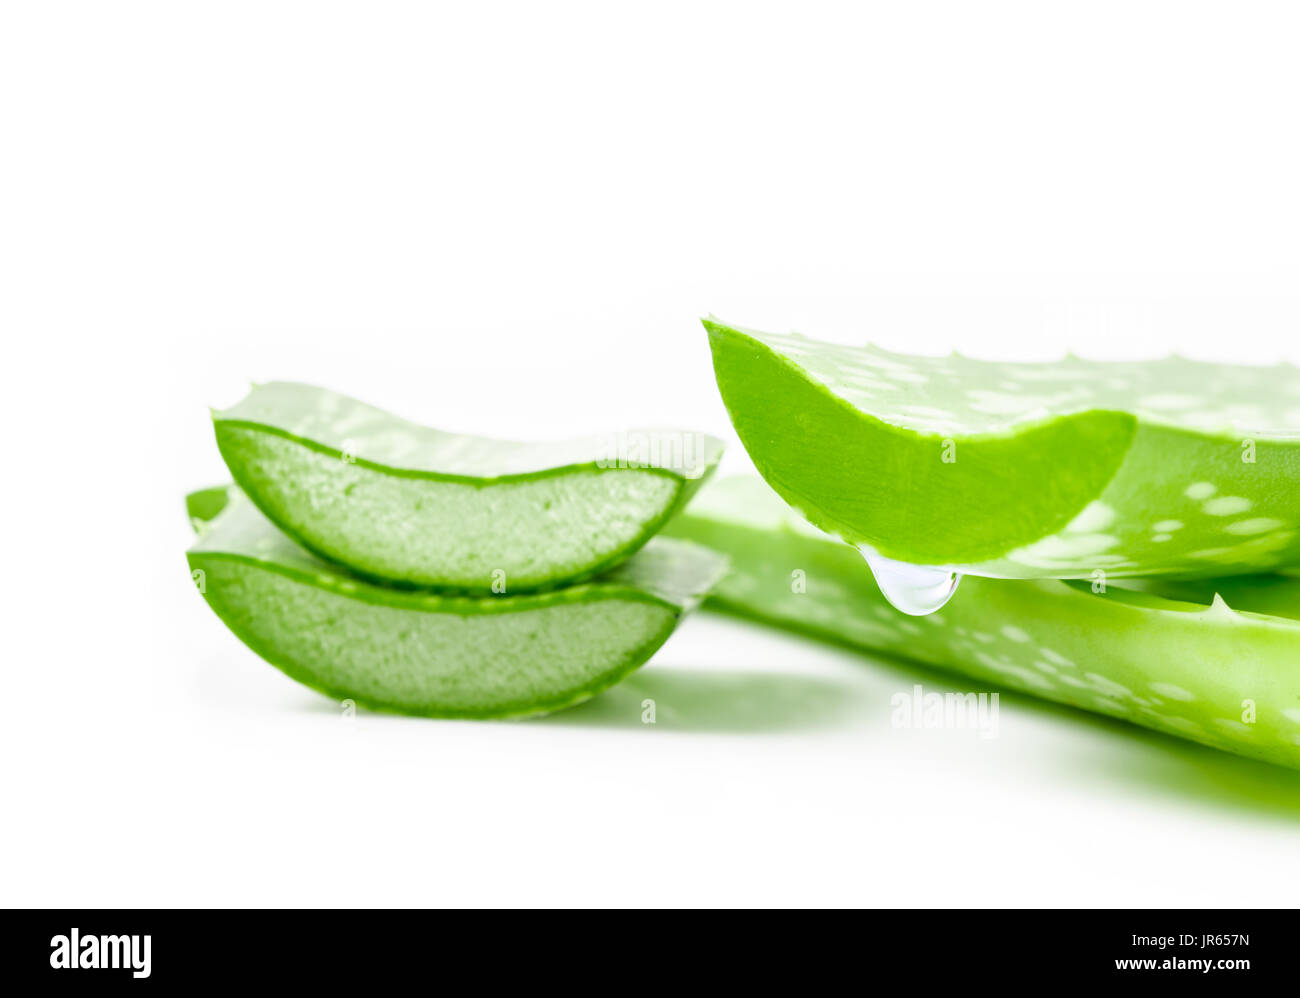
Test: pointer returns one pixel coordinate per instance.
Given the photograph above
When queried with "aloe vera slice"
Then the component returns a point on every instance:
(429, 654)
(1215, 662)
(410, 505)
(1057, 470)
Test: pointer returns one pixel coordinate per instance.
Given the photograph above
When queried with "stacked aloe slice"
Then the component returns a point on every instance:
(425, 572)
(1117, 537)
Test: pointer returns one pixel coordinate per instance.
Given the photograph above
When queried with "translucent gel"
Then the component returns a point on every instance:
(916, 590)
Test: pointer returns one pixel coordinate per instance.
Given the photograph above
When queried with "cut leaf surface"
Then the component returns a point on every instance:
(429, 654)
(1179, 661)
(411, 505)
(1024, 470)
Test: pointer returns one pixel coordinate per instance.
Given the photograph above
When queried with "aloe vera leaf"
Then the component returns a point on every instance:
(204, 505)
(431, 654)
(1056, 470)
(1180, 661)
(409, 505)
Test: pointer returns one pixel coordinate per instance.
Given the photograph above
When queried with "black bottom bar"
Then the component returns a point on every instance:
(140, 949)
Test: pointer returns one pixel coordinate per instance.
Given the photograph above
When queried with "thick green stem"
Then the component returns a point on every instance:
(1223, 675)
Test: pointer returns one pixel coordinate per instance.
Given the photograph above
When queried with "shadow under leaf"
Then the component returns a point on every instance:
(1130, 756)
(719, 701)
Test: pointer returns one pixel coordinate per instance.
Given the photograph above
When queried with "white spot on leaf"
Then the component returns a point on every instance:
(1096, 516)
(1226, 506)
(1257, 525)
(1173, 692)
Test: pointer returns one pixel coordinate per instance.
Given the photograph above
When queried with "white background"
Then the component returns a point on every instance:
(507, 219)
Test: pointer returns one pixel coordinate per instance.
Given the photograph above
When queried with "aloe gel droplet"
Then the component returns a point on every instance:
(916, 590)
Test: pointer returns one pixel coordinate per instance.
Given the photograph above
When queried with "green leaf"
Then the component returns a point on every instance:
(1024, 470)
(409, 505)
(1215, 662)
(431, 654)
